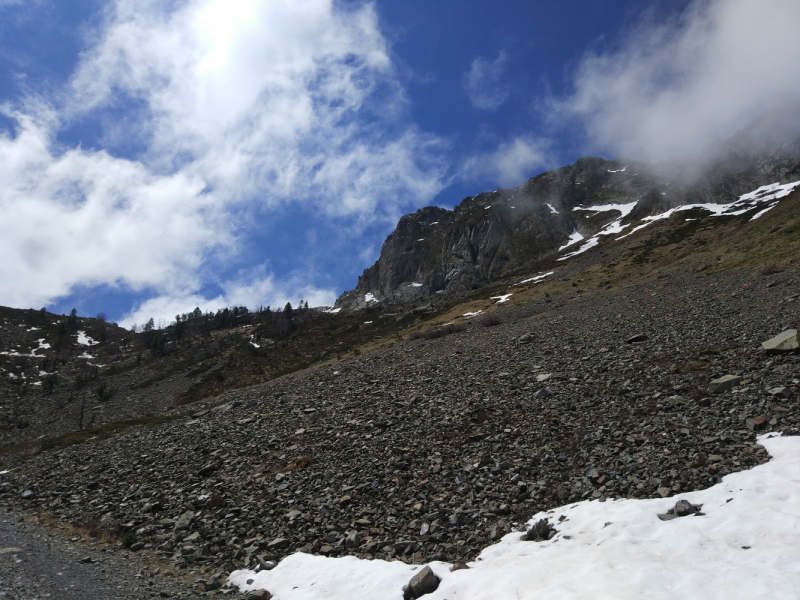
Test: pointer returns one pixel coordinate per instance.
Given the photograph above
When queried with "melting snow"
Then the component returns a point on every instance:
(622, 170)
(42, 346)
(743, 546)
(501, 299)
(86, 355)
(469, 315)
(435, 223)
(85, 340)
(421, 240)
(612, 228)
(766, 194)
(368, 297)
(573, 238)
(552, 208)
(414, 285)
(367, 322)
(333, 311)
(536, 278)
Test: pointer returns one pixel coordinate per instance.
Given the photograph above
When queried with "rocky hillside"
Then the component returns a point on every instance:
(433, 448)
(418, 430)
(495, 234)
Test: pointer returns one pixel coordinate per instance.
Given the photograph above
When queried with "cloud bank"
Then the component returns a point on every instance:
(674, 88)
(208, 110)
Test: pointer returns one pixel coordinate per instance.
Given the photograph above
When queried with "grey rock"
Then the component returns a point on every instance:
(786, 341)
(279, 544)
(782, 391)
(641, 337)
(525, 338)
(184, 521)
(541, 531)
(724, 383)
(543, 393)
(423, 582)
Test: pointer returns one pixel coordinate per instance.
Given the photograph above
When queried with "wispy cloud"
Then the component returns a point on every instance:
(673, 88)
(512, 163)
(251, 104)
(483, 82)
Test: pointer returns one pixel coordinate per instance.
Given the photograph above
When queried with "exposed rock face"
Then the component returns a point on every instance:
(494, 234)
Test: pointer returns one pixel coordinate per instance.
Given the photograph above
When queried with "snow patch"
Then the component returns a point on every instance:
(766, 194)
(85, 340)
(368, 297)
(574, 238)
(611, 229)
(332, 311)
(415, 285)
(622, 170)
(469, 315)
(501, 299)
(552, 208)
(536, 278)
(743, 546)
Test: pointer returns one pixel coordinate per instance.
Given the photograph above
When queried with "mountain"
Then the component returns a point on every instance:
(435, 251)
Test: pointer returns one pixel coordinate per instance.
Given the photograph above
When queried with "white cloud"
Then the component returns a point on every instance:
(239, 104)
(674, 88)
(510, 164)
(252, 289)
(483, 82)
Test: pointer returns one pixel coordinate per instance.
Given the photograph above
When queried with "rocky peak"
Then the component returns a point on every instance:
(486, 237)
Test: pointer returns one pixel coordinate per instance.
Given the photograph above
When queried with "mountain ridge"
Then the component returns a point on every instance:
(436, 251)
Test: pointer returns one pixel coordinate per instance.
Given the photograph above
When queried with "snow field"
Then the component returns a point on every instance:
(745, 545)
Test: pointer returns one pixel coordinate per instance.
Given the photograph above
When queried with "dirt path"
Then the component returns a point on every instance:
(37, 564)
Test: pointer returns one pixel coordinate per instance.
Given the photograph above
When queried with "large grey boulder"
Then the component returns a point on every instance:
(786, 341)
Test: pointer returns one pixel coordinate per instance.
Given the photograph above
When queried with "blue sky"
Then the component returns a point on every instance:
(158, 155)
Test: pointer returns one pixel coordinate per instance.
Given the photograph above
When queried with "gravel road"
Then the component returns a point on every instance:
(36, 563)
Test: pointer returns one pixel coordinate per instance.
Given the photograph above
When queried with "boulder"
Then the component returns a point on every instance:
(786, 341)
(424, 582)
(724, 383)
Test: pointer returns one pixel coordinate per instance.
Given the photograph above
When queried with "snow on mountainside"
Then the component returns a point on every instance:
(738, 540)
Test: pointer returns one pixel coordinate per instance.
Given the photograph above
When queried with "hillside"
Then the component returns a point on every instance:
(416, 431)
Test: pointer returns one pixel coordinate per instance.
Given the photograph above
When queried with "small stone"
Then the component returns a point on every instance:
(785, 341)
(755, 423)
(526, 338)
(184, 521)
(782, 391)
(345, 501)
(459, 565)
(683, 508)
(207, 470)
(543, 393)
(278, 544)
(543, 377)
(724, 383)
(664, 491)
(424, 582)
(28, 494)
(541, 531)
(641, 337)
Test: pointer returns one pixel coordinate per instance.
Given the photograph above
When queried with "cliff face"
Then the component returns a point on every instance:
(494, 234)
